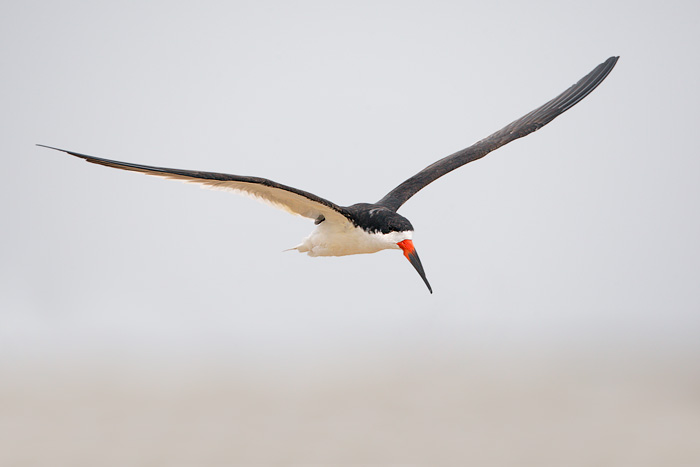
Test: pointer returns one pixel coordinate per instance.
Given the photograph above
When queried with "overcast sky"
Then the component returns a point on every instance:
(583, 234)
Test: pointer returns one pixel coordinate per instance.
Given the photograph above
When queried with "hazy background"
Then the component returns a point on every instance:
(146, 322)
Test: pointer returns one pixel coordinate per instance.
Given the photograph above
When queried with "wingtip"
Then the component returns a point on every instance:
(606, 67)
(76, 154)
(612, 61)
(50, 147)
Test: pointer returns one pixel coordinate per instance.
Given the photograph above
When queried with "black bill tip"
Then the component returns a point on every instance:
(409, 251)
(415, 261)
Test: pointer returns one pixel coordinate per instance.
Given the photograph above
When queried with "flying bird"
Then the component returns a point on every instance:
(370, 227)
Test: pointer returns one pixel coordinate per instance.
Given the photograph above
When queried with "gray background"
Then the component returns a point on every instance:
(146, 321)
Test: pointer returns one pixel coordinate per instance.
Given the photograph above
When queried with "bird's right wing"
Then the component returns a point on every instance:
(521, 127)
(284, 197)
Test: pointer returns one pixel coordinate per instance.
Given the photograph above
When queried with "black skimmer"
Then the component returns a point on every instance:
(370, 227)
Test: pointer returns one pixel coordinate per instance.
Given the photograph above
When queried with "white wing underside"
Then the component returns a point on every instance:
(278, 198)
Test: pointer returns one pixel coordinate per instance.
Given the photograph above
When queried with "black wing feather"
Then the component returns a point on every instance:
(521, 127)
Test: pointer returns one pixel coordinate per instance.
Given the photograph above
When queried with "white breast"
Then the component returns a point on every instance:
(340, 239)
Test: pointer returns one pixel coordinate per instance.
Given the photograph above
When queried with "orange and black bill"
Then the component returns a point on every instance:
(409, 251)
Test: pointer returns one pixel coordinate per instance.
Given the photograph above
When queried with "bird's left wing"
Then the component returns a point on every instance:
(521, 127)
(283, 197)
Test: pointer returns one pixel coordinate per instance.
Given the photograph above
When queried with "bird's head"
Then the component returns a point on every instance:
(409, 251)
(394, 230)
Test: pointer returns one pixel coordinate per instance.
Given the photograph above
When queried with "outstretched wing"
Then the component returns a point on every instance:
(519, 128)
(284, 197)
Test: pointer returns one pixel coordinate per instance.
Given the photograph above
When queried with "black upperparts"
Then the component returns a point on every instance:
(374, 218)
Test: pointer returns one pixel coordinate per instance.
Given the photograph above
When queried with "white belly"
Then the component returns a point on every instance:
(335, 239)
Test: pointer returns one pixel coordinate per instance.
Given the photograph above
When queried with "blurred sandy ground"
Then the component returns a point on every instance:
(396, 408)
